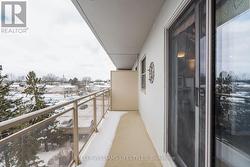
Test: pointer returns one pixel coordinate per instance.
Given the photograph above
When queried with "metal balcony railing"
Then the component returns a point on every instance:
(59, 136)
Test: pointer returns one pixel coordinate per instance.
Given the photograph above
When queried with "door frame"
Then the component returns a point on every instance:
(192, 8)
(176, 14)
(210, 84)
(210, 52)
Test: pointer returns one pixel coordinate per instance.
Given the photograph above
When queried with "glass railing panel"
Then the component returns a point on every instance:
(48, 145)
(85, 122)
(106, 102)
(99, 109)
(49, 141)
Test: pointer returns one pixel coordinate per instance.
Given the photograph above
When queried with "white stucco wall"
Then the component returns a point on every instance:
(151, 103)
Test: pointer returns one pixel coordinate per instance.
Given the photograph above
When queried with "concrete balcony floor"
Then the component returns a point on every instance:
(123, 141)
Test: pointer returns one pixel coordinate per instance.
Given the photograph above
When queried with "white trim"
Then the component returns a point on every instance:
(177, 12)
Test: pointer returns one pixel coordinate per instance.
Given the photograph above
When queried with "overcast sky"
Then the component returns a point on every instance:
(58, 41)
(233, 45)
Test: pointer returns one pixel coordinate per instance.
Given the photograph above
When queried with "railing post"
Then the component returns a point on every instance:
(95, 114)
(109, 100)
(75, 134)
(103, 105)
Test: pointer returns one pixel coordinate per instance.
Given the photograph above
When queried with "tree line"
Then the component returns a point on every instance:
(22, 152)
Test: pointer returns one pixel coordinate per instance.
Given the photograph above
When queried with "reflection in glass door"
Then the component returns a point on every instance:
(187, 87)
(232, 90)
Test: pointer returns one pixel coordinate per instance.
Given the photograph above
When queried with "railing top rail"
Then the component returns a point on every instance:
(31, 127)
(29, 116)
(235, 96)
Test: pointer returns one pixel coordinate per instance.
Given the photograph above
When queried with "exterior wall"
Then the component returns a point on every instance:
(124, 90)
(152, 102)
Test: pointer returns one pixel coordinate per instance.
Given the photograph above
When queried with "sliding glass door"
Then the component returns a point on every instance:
(186, 140)
(187, 85)
(232, 90)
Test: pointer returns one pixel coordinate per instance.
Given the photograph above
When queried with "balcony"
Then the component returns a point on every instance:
(79, 132)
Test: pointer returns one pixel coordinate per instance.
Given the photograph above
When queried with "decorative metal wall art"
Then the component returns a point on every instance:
(151, 71)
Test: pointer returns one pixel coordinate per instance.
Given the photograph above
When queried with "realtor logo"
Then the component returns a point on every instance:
(13, 14)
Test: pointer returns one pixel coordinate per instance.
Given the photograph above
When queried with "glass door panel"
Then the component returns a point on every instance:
(202, 83)
(183, 76)
(232, 90)
(186, 139)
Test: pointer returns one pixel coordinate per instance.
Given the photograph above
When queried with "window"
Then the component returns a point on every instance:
(143, 73)
(232, 89)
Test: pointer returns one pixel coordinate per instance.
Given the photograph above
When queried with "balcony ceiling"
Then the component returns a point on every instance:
(121, 26)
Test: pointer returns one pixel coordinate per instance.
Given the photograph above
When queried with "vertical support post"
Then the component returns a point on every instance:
(103, 105)
(109, 107)
(95, 114)
(75, 134)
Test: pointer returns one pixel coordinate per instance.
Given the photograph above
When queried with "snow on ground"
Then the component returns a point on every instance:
(85, 116)
(97, 150)
(46, 156)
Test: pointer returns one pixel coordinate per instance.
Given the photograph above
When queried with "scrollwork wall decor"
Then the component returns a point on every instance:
(151, 71)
